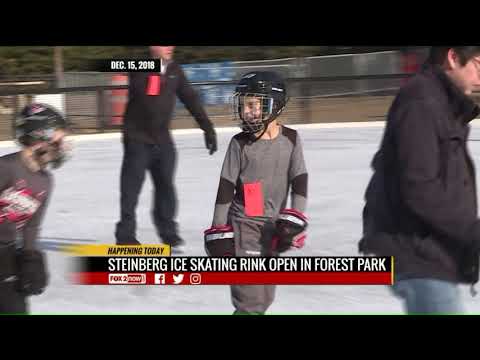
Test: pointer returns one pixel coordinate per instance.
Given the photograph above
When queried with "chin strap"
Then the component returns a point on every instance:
(265, 128)
(255, 138)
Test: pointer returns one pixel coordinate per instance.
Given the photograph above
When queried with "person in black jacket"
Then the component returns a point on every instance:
(148, 145)
(421, 203)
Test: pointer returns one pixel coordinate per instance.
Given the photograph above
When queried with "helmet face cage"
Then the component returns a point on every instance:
(253, 111)
(37, 122)
(29, 137)
(45, 134)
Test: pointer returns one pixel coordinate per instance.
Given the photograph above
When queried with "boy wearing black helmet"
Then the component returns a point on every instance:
(25, 187)
(262, 164)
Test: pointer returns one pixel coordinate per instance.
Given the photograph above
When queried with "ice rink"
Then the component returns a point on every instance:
(85, 207)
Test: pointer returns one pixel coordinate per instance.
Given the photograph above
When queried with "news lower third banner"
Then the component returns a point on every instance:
(153, 265)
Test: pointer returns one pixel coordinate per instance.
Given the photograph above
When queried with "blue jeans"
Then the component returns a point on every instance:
(429, 296)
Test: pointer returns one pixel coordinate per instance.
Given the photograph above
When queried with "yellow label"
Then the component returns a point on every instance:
(117, 250)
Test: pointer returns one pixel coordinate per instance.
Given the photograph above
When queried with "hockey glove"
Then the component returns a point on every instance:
(211, 141)
(290, 230)
(219, 241)
(31, 272)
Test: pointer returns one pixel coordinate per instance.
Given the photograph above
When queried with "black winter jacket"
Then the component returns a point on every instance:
(421, 202)
(147, 117)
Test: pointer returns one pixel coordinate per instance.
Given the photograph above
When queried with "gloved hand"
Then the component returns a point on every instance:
(211, 140)
(290, 230)
(32, 276)
(219, 241)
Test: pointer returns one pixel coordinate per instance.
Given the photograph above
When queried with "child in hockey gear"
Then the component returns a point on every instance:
(261, 164)
(25, 187)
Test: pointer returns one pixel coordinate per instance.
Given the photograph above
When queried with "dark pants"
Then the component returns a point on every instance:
(161, 161)
(11, 301)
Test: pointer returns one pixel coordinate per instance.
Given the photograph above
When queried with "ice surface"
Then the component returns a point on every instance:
(85, 207)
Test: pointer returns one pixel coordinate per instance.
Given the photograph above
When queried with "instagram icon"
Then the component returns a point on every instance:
(195, 279)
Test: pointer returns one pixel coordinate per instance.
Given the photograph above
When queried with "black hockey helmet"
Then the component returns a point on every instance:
(37, 122)
(268, 89)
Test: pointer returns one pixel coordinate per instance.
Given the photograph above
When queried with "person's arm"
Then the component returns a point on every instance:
(32, 274)
(226, 187)
(421, 185)
(292, 223)
(219, 238)
(32, 228)
(5, 183)
(192, 102)
(298, 177)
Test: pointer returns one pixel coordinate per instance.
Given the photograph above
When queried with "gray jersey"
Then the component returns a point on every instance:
(23, 199)
(257, 176)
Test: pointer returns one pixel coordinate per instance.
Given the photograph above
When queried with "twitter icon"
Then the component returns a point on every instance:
(177, 279)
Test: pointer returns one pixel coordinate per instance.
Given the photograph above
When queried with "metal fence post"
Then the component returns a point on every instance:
(101, 109)
(302, 71)
(15, 111)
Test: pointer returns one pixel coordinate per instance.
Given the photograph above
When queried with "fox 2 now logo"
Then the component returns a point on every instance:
(127, 278)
